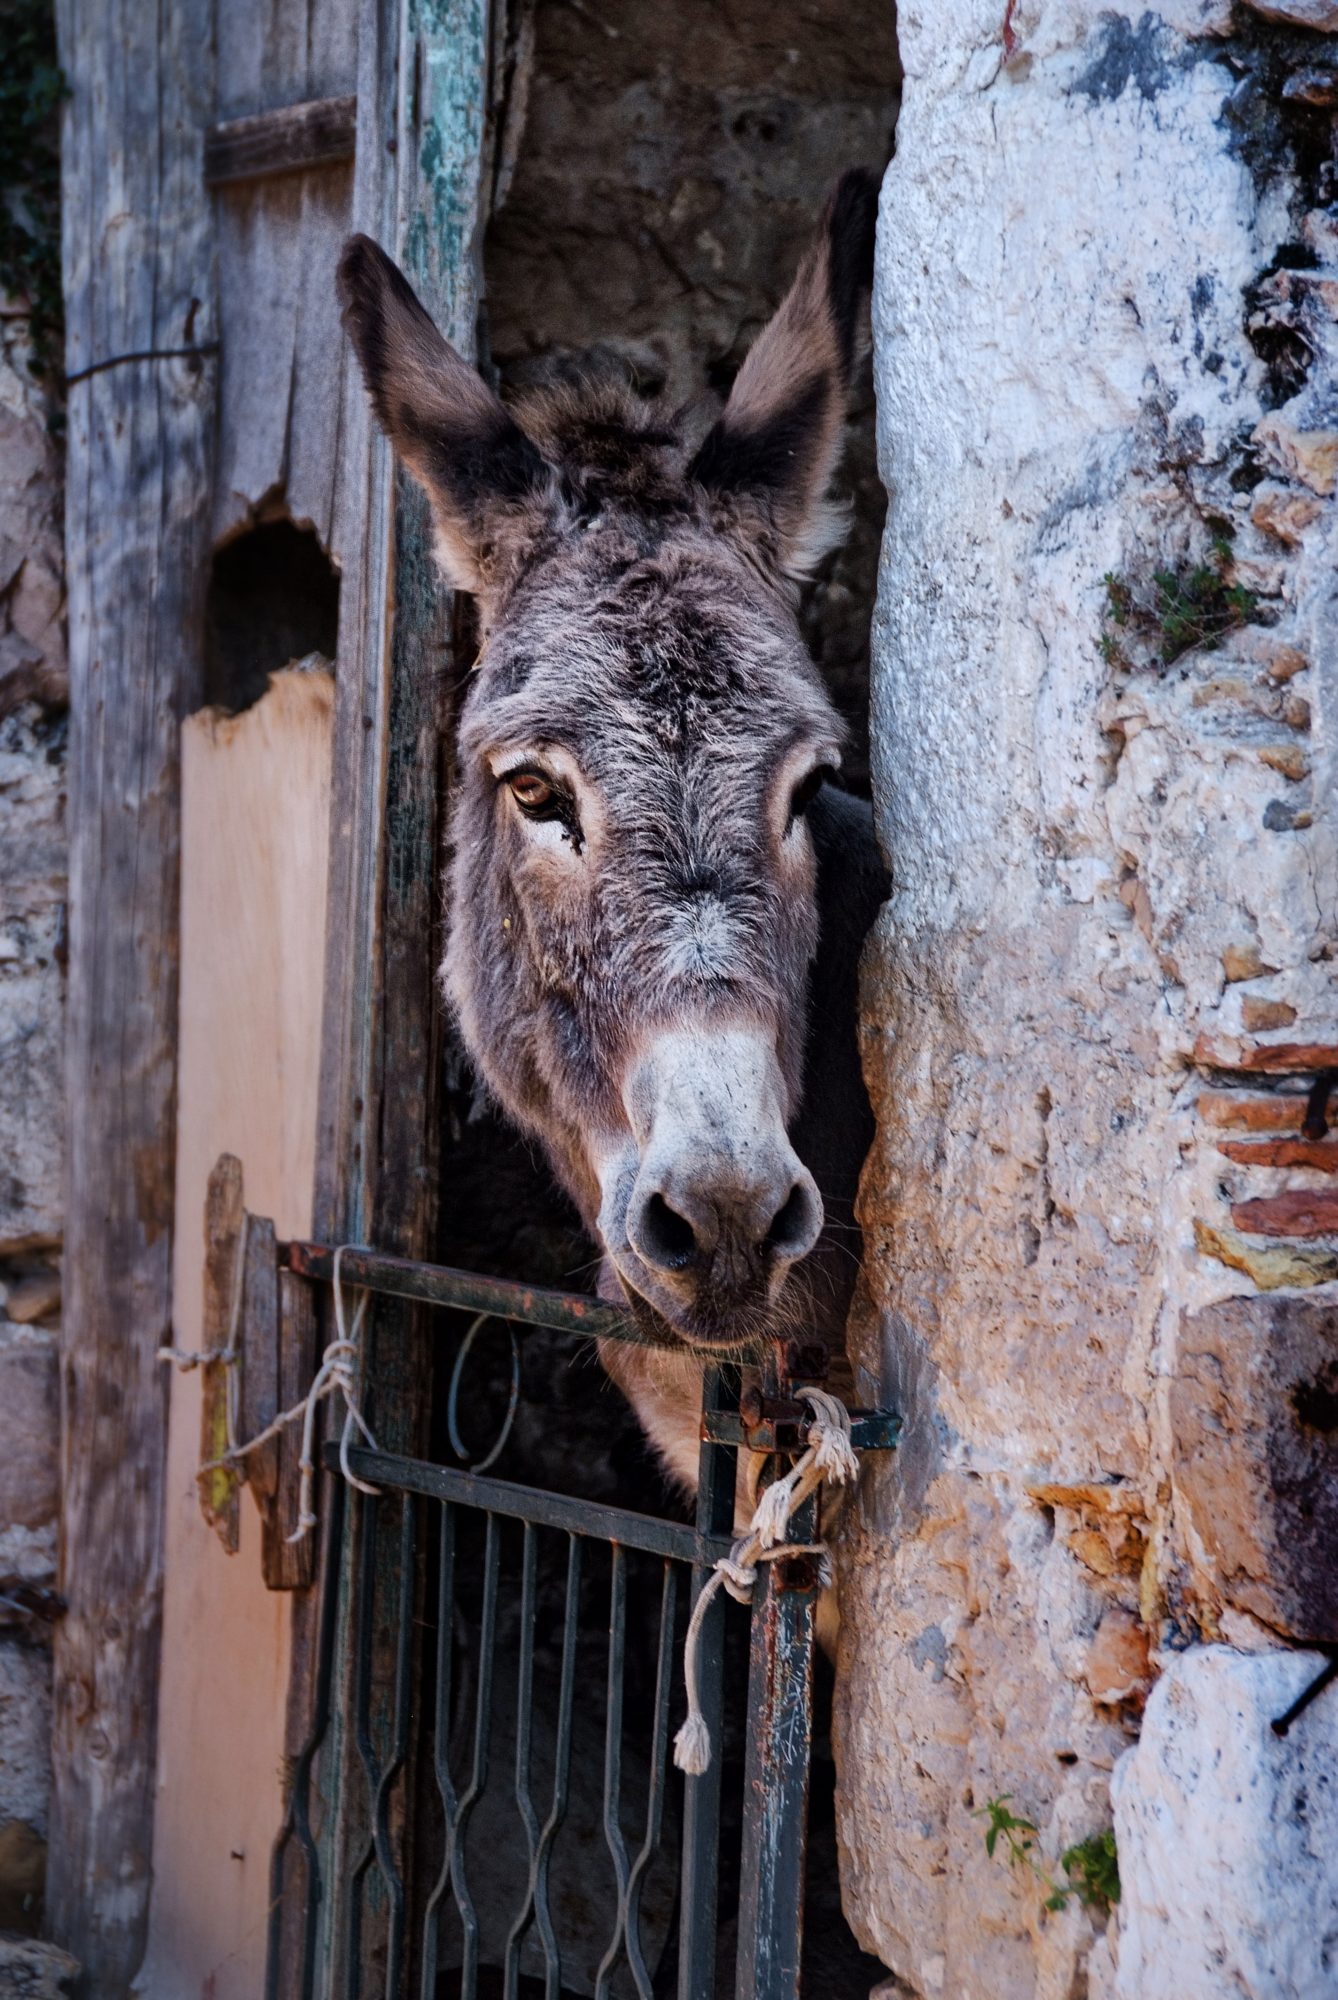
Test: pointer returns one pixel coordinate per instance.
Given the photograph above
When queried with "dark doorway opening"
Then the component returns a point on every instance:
(672, 166)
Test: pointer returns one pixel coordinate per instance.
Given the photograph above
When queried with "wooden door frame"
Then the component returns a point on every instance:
(141, 359)
(423, 190)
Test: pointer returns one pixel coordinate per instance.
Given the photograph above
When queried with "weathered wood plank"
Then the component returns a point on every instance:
(291, 1565)
(224, 1230)
(425, 86)
(273, 53)
(138, 267)
(255, 838)
(258, 1338)
(292, 139)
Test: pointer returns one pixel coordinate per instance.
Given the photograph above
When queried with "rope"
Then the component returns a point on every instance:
(830, 1455)
(337, 1374)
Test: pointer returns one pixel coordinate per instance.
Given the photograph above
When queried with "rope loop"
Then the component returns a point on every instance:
(830, 1455)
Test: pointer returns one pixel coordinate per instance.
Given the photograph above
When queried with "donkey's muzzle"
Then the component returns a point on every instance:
(721, 1205)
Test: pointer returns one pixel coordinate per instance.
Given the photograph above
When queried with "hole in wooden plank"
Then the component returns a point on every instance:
(273, 598)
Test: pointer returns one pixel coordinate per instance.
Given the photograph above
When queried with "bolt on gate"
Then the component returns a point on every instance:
(437, 1838)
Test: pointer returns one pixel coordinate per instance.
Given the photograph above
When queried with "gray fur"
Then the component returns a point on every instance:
(641, 651)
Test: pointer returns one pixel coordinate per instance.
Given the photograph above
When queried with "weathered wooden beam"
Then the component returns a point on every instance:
(425, 199)
(289, 140)
(138, 283)
(290, 1565)
(224, 1233)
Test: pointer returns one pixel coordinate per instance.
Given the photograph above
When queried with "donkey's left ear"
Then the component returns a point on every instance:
(774, 449)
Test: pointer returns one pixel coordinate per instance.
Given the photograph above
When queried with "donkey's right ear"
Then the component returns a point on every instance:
(475, 463)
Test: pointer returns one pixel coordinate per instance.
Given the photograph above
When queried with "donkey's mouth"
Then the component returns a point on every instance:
(710, 1323)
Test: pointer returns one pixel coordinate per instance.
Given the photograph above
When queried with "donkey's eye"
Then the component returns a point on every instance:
(807, 790)
(534, 794)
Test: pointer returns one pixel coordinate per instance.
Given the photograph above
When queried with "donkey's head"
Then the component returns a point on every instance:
(632, 896)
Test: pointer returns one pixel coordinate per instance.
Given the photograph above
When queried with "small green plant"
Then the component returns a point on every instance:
(1090, 1865)
(1185, 608)
(1093, 1869)
(1018, 1835)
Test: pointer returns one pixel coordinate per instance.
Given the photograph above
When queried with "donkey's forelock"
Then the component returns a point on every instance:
(632, 899)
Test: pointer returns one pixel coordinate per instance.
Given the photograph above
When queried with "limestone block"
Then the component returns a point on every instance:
(33, 684)
(32, 943)
(1254, 1418)
(1101, 853)
(32, 595)
(25, 1733)
(32, 1970)
(30, 1425)
(1226, 1835)
(1322, 14)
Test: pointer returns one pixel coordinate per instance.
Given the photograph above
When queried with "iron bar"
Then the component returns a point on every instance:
(441, 1750)
(870, 1430)
(613, 1761)
(561, 1775)
(466, 1291)
(478, 1776)
(659, 1758)
(529, 1819)
(1311, 1692)
(297, 1816)
(776, 1768)
(391, 1874)
(368, 1517)
(531, 1503)
(716, 1481)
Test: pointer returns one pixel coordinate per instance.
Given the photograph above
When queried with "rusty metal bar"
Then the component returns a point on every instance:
(659, 1762)
(870, 1430)
(543, 1916)
(533, 1503)
(467, 1291)
(776, 1769)
(441, 1751)
(716, 1478)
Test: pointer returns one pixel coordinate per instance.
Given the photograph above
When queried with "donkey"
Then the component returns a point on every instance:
(657, 894)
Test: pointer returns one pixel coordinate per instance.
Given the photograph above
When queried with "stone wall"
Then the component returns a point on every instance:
(1101, 1220)
(32, 918)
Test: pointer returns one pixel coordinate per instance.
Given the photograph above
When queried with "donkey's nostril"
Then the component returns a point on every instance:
(794, 1225)
(664, 1236)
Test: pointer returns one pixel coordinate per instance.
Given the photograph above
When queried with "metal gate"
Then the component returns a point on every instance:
(419, 1707)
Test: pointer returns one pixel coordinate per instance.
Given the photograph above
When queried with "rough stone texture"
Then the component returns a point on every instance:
(25, 1735)
(29, 1397)
(32, 1111)
(32, 559)
(33, 1971)
(32, 837)
(1102, 847)
(1254, 1421)
(1227, 1834)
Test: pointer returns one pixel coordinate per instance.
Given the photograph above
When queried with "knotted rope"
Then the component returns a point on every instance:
(336, 1375)
(830, 1455)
